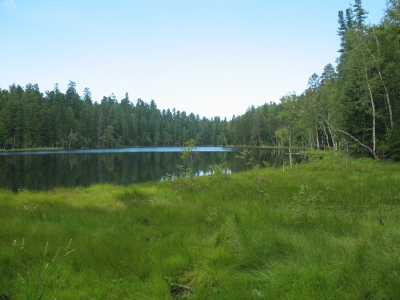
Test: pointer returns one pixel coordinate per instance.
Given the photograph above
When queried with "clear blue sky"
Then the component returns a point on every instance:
(209, 57)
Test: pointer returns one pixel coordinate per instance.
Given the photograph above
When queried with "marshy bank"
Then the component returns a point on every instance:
(325, 229)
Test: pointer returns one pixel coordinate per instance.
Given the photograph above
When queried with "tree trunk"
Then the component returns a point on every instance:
(316, 131)
(373, 112)
(326, 137)
(387, 98)
(334, 143)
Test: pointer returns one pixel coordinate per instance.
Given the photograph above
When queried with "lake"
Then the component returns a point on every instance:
(44, 170)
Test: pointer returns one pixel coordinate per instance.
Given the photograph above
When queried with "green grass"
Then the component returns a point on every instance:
(311, 232)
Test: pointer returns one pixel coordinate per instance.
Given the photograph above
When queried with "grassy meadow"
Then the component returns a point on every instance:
(328, 229)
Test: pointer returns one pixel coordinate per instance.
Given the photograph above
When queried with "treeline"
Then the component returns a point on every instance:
(29, 118)
(355, 106)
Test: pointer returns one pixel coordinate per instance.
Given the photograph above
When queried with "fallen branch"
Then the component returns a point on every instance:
(183, 287)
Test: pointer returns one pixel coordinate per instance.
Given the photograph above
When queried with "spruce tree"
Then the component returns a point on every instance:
(360, 14)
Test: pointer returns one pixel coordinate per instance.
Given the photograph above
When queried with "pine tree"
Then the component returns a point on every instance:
(360, 14)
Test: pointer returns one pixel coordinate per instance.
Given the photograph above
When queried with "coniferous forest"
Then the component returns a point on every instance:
(354, 106)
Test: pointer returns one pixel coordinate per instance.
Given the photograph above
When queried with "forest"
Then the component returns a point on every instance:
(354, 106)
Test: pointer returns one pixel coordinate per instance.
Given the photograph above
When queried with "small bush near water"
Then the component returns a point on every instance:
(322, 230)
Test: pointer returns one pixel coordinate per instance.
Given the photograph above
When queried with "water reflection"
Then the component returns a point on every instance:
(76, 168)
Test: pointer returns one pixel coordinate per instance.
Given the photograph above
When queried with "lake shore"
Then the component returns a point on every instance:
(323, 229)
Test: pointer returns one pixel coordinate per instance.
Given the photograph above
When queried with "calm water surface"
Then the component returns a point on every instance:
(43, 170)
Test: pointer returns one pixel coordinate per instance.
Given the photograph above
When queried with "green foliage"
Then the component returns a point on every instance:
(245, 158)
(220, 171)
(188, 156)
(303, 201)
(187, 151)
(36, 275)
(394, 143)
(187, 171)
(30, 119)
(354, 106)
(316, 235)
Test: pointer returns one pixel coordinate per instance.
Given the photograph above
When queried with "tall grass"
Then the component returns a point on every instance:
(326, 229)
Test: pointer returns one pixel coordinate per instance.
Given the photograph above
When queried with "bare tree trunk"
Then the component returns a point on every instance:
(354, 138)
(373, 112)
(361, 144)
(387, 98)
(326, 137)
(334, 143)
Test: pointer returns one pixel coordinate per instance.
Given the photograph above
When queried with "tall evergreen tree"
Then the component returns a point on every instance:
(360, 14)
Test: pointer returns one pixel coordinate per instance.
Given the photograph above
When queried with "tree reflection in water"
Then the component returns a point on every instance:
(74, 168)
